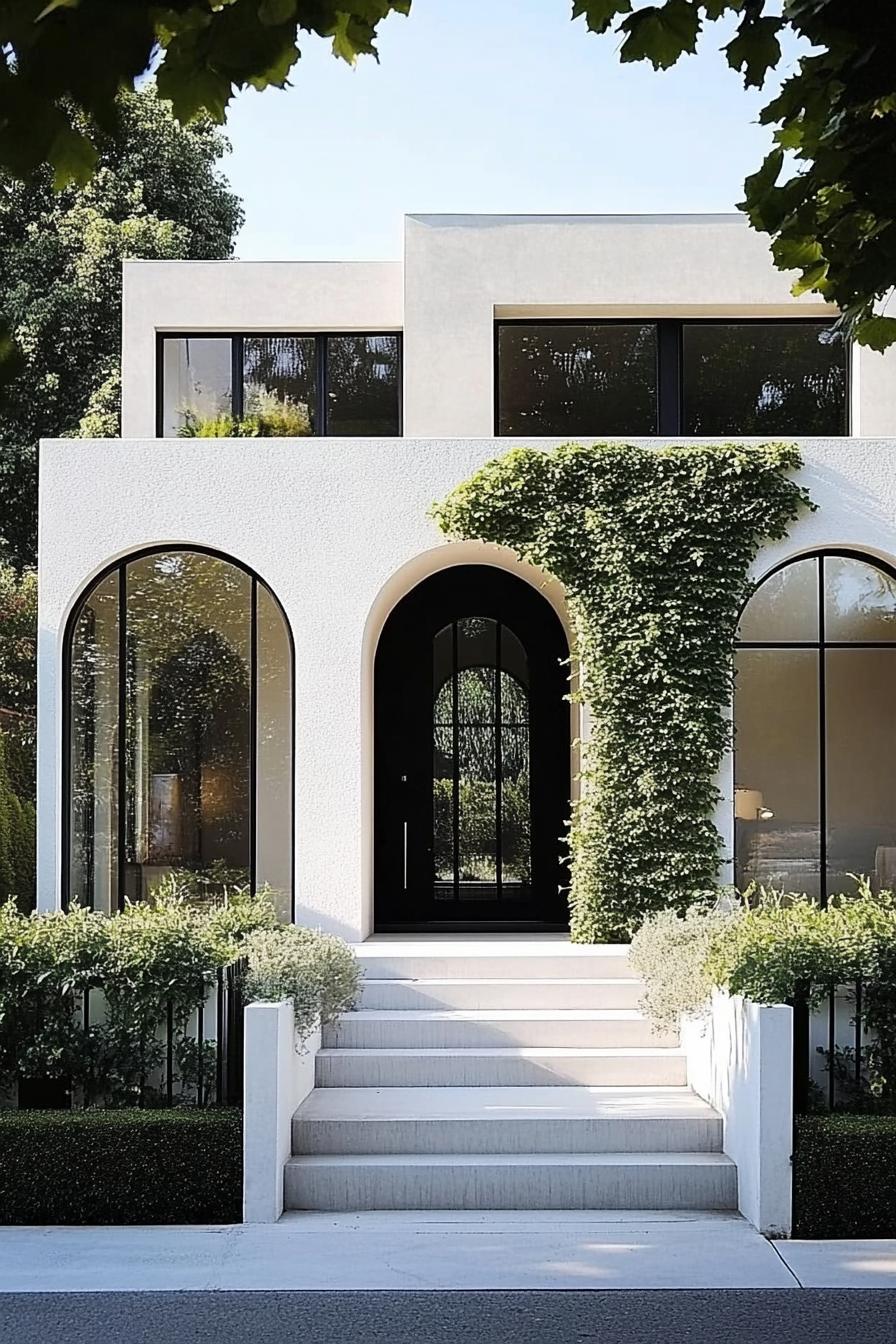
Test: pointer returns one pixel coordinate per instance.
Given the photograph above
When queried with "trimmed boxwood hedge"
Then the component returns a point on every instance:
(844, 1176)
(121, 1166)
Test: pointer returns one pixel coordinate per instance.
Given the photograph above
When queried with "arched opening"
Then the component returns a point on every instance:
(471, 756)
(815, 727)
(178, 733)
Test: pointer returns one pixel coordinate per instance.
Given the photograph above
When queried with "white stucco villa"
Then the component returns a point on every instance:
(260, 653)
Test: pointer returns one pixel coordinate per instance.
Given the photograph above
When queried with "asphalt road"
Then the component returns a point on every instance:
(729, 1316)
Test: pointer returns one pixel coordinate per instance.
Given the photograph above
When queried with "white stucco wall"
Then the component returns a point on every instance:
(243, 296)
(740, 1059)
(460, 273)
(339, 529)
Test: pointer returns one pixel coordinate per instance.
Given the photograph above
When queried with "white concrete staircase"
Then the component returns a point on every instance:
(494, 1072)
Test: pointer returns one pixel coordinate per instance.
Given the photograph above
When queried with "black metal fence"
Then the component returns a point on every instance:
(197, 1062)
(830, 1048)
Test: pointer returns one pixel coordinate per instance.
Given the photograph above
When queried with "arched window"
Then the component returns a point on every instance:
(815, 727)
(179, 730)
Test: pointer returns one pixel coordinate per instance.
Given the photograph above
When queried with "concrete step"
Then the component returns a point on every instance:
(513, 1181)
(490, 957)
(469, 1029)
(512, 1066)
(566, 992)
(505, 1120)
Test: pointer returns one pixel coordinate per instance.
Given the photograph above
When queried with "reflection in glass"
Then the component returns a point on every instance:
(280, 384)
(762, 378)
(363, 385)
(784, 608)
(481, 786)
(797, 828)
(860, 725)
(93, 745)
(188, 728)
(170, 675)
(577, 378)
(776, 764)
(197, 380)
(859, 601)
(274, 753)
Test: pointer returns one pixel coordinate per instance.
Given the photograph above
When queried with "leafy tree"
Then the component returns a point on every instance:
(834, 219)
(67, 60)
(156, 193)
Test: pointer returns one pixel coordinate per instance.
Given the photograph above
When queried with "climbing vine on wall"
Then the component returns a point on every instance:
(654, 548)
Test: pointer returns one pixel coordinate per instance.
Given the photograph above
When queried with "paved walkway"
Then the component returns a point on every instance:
(407, 1251)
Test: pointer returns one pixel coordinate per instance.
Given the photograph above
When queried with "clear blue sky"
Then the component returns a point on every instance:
(483, 105)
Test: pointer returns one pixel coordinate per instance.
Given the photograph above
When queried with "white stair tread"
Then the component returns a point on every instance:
(513, 1160)
(493, 1015)
(504, 1103)
(421, 982)
(486, 945)
(502, 1052)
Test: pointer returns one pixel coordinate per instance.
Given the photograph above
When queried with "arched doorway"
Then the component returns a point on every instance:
(471, 743)
(178, 730)
(815, 727)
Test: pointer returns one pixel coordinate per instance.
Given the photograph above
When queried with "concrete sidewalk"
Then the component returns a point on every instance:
(397, 1251)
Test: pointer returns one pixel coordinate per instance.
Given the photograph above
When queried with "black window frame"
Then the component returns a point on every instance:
(819, 646)
(670, 362)
(237, 339)
(120, 568)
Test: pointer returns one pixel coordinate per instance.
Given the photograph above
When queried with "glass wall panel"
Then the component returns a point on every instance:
(569, 378)
(516, 802)
(188, 726)
(363, 385)
(860, 601)
(280, 384)
(93, 748)
(197, 382)
(274, 787)
(481, 766)
(776, 769)
(784, 609)
(762, 378)
(860, 717)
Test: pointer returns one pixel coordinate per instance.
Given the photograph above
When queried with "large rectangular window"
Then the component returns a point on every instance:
(577, 378)
(670, 376)
(762, 378)
(280, 386)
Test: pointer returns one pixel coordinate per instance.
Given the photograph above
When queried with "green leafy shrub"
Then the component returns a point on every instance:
(787, 940)
(122, 1166)
(267, 417)
(670, 952)
(653, 547)
(844, 1176)
(318, 972)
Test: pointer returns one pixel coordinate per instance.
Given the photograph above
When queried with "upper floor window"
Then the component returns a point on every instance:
(702, 377)
(280, 386)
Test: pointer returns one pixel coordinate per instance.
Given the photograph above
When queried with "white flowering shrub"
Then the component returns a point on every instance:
(670, 953)
(318, 972)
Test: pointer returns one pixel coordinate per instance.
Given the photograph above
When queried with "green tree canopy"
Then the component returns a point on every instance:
(156, 193)
(833, 221)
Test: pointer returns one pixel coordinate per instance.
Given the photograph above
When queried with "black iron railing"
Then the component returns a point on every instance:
(830, 1048)
(194, 1062)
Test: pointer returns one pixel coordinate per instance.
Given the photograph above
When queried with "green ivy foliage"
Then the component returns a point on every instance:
(653, 547)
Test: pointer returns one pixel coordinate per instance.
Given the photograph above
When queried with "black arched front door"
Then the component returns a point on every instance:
(471, 741)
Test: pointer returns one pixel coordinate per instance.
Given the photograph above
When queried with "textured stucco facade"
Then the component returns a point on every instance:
(339, 534)
(339, 528)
